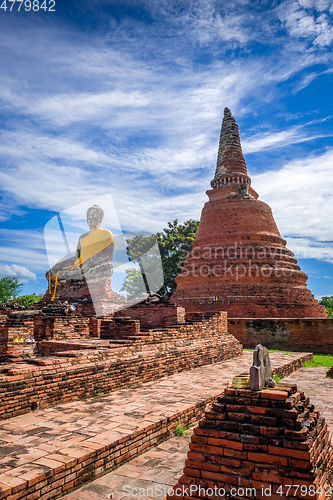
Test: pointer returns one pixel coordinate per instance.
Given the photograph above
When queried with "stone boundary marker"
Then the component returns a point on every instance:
(62, 470)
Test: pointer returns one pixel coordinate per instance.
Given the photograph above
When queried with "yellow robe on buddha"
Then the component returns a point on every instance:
(92, 244)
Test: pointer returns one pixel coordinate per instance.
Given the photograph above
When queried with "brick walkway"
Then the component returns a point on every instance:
(163, 465)
(158, 469)
(31, 438)
(53, 450)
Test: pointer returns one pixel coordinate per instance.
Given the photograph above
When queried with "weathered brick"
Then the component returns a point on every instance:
(266, 458)
(226, 443)
(274, 394)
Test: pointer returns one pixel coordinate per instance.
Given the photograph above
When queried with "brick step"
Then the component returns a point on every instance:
(138, 337)
(160, 329)
(120, 341)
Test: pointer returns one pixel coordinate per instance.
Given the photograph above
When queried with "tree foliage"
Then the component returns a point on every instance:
(139, 246)
(10, 287)
(133, 285)
(174, 242)
(28, 300)
(328, 303)
(140, 249)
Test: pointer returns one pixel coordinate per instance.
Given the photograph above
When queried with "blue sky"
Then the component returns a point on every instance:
(125, 98)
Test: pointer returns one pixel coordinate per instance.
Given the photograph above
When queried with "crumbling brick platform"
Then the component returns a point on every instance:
(71, 370)
(256, 444)
(50, 452)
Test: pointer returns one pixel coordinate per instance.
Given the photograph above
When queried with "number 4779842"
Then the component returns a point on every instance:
(28, 5)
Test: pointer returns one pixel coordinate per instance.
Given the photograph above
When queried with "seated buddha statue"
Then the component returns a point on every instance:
(95, 248)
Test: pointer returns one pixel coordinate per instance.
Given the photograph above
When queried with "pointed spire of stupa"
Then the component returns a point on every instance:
(230, 159)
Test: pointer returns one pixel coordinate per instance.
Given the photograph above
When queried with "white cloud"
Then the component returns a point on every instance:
(265, 141)
(56, 172)
(22, 145)
(24, 249)
(301, 197)
(149, 102)
(20, 272)
(66, 108)
(307, 20)
(22, 255)
(139, 116)
(309, 248)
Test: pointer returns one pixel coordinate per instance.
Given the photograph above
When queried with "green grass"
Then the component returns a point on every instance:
(320, 360)
(273, 350)
(281, 352)
(277, 378)
(179, 430)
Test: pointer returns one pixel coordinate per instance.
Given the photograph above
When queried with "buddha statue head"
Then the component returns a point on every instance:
(95, 216)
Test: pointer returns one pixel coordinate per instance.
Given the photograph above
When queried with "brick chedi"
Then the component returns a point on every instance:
(240, 263)
(259, 444)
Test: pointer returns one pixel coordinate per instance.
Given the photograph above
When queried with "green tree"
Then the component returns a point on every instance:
(139, 249)
(28, 300)
(328, 303)
(133, 285)
(174, 242)
(10, 287)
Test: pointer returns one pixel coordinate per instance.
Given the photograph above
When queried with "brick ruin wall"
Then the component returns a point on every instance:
(76, 374)
(25, 324)
(119, 328)
(11, 328)
(152, 316)
(49, 347)
(57, 327)
(303, 335)
(3, 335)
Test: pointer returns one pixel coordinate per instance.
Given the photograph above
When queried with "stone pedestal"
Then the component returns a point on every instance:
(91, 295)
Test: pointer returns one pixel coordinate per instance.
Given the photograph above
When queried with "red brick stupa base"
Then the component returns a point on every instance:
(259, 444)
